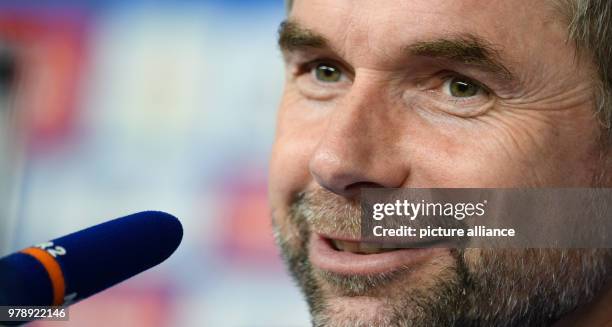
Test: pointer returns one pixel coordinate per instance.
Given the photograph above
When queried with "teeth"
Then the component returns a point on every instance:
(347, 246)
(368, 248)
(359, 247)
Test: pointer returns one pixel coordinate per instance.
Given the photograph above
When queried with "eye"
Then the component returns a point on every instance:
(327, 73)
(461, 87)
(448, 92)
(321, 79)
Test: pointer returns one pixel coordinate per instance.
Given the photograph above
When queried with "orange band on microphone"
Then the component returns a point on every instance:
(53, 269)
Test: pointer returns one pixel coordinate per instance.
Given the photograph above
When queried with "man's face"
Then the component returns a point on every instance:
(429, 93)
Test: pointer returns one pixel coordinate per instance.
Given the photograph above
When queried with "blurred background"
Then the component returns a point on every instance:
(109, 107)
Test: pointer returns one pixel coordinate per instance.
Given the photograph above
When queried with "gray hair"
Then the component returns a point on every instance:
(590, 27)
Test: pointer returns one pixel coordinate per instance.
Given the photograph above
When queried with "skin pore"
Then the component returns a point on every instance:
(432, 93)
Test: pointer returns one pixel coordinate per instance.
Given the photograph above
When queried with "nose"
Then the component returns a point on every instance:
(359, 147)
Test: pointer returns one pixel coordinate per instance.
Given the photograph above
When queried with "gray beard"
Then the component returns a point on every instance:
(505, 287)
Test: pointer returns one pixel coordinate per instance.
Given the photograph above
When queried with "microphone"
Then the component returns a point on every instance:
(71, 268)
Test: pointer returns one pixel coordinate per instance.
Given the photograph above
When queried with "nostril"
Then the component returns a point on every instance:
(354, 189)
(361, 185)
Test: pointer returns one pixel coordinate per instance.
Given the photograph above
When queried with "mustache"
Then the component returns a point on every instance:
(326, 213)
(331, 215)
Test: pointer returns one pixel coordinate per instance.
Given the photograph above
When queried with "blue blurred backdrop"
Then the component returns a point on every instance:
(168, 105)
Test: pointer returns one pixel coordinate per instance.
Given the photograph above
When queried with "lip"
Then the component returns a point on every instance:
(323, 256)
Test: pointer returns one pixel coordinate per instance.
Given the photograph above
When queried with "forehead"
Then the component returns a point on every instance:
(366, 28)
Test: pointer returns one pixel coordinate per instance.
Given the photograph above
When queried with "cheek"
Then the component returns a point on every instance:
(553, 149)
(471, 169)
(462, 155)
(496, 151)
(293, 147)
(289, 172)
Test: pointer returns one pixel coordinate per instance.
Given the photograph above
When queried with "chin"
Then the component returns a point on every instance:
(354, 311)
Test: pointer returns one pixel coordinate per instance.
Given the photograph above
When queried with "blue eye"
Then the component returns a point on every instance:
(327, 73)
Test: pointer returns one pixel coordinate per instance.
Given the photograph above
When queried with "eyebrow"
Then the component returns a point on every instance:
(466, 48)
(293, 36)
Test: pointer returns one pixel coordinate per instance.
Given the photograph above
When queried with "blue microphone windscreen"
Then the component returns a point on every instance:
(96, 258)
(24, 282)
